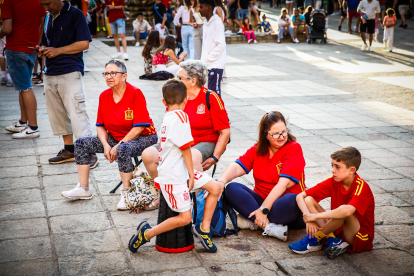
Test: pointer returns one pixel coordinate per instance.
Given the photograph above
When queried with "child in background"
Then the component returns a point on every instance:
(246, 30)
(389, 22)
(141, 28)
(349, 226)
(267, 27)
(153, 43)
(176, 176)
(377, 21)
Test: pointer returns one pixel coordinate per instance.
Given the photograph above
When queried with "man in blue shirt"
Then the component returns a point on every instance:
(351, 11)
(65, 36)
(298, 20)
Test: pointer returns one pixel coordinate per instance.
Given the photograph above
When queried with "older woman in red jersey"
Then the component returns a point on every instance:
(209, 123)
(124, 130)
(278, 169)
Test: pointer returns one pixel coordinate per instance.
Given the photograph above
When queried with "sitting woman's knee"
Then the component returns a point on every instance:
(121, 150)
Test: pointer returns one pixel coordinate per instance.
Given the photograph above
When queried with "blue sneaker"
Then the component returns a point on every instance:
(336, 247)
(139, 238)
(204, 237)
(305, 245)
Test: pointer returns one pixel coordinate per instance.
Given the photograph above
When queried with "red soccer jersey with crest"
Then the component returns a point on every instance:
(131, 111)
(287, 162)
(358, 195)
(114, 15)
(205, 123)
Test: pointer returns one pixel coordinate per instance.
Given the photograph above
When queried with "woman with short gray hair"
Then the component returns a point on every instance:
(209, 122)
(124, 130)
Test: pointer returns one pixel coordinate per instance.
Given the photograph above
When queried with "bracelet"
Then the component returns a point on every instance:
(215, 158)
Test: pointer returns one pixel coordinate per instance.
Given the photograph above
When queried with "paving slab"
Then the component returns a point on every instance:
(20, 211)
(23, 228)
(199, 271)
(80, 223)
(39, 267)
(400, 235)
(239, 269)
(406, 196)
(392, 215)
(18, 250)
(67, 207)
(395, 185)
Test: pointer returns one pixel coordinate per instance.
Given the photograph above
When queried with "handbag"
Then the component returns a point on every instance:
(141, 193)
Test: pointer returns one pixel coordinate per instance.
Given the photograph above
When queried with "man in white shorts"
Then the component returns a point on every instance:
(176, 176)
(160, 17)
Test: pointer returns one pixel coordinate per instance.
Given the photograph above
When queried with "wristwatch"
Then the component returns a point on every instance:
(264, 210)
(121, 142)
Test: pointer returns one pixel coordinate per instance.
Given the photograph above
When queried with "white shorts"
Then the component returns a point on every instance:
(2, 44)
(161, 31)
(177, 196)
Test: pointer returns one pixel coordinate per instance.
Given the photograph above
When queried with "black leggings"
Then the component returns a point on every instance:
(284, 211)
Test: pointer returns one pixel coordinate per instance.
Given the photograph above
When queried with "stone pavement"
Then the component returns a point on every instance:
(333, 96)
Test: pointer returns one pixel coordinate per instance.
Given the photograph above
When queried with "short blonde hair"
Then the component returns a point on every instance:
(350, 156)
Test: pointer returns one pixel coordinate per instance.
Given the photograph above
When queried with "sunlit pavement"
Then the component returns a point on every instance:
(333, 95)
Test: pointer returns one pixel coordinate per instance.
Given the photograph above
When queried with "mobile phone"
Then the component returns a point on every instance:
(33, 48)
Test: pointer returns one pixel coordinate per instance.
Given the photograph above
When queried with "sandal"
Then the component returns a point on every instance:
(152, 206)
(109, 36)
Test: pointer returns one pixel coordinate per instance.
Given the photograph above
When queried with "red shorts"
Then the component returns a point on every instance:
(353, 13)
(362, 241)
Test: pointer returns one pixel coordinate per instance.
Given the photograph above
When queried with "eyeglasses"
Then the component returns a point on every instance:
(111, 74)
(278, 135)
(180, 78)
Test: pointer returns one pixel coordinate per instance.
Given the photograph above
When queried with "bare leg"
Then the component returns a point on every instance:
(358, 21)
(363, 38)
(83, 172)
(403, 19)
(126, 177)
(350, 24)
(341, 20)
(295, 32)
(351, 228)
(68, 139)
(30, 106)
(124, 42)
(116, 40)
(315, 208)
(214, 189)
(197, 160)
(150, 158)
(371, 36)
(23, 115)
(182, 219)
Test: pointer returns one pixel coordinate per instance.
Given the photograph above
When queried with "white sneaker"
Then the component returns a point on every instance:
(224, 80)
(370, 49)
(3, 80)
(16, 127)
(137, 44)
(255, 42)
(245, 224)
(78, 193)
(9, 83)
(240, 31)
(276, 231)
(364, 47)
(117, 55)
(122, 204)
(249, 41)
(125, 56)
(86, 69)
(296, 40)
(27, 132)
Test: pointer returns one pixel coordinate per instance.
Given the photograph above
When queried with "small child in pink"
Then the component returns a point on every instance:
(389, 22)
(377, 21)
(247, 31)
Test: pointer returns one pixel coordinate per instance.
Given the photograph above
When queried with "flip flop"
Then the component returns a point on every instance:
(152, 206)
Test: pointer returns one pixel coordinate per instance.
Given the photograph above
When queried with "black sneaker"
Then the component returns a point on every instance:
(401, 25)
(94, 161)
(62, 157)
(339, 28)
(35, 76)
(405, 26)
(39, 83)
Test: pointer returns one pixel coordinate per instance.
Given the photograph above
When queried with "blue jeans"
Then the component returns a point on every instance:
(243, 13)
(143, 35)
(284, 211)
(188, 43)
(20, 66)
(308, 3)
(282, 29)
(118, 26)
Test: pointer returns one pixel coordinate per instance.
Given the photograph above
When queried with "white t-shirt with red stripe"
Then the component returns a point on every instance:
(175, 136)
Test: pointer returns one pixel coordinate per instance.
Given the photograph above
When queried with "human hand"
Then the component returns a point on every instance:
(113, 152)
(208, 163)
(261, 218)
(179, 25)
(39, 53)
(162, 26)
(191, 183)
(107, 154)
(309, 217)
(312, 228)
(50, 52)
(240, 9)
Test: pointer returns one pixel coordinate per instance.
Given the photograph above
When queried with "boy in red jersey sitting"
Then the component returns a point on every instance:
(349, 226)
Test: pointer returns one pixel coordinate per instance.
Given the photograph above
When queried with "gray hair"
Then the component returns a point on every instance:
(118, 63)
(196, 69)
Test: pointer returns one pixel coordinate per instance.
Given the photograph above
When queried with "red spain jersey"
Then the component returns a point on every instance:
(358, 195)
(287, 162)
(114, 15)
(205, 123)
(131, 111)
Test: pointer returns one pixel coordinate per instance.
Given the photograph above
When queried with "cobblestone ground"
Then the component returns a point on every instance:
(333, 95)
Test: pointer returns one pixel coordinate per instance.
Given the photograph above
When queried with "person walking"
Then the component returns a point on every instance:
(198, 32)
(186, 13)
(403, 7)
(22, 22)
(116, 18)
(214, 45)
(371, 8)
(63, 75)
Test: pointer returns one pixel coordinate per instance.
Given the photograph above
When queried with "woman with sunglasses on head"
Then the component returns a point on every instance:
(285, 27)
(278, 170)
(124, 129)
(165, 59)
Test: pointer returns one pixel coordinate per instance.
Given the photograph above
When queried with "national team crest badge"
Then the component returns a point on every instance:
(201, 109)
(129, 114)
(279, 168)
(186, 196)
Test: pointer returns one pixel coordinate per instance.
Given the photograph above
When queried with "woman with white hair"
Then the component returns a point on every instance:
(210, 126)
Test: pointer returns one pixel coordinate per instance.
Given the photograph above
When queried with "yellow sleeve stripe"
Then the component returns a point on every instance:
(359, 234)
(360, 185)
(302, 184)
(218, 100)
(363, 239)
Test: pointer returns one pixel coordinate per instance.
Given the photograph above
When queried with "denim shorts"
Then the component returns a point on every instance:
(243, 13)
(143, 35)
(20, 66)
(118, 26)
